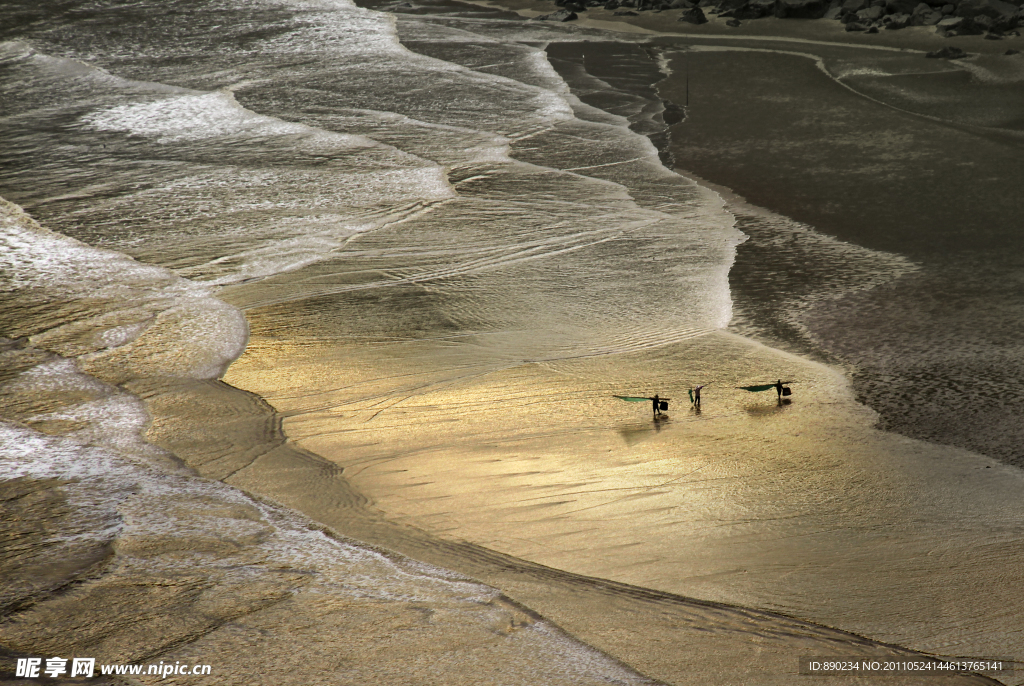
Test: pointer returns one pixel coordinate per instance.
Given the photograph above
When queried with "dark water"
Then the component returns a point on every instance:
(936, 351)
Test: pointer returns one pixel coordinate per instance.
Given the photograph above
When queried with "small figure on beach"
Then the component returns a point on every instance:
(781, 387)
(657, 403)
(783, 390)
(696, 395)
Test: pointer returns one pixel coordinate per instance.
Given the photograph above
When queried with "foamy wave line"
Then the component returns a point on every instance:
(121, 317)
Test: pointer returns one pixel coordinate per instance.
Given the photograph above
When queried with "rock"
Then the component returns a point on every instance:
(694, 16)
(745, 12)
(947, 53)
(901, 6)
(751, 10)
(872, 29)
(764, 8)
(833, 13)
(928, 17)
(611, 5)
(855, 26)
(733, 23)
(1007, 25)
(921, 10)
(680, 4)
(895, 22)
(948, 9)
(993, 36)
(949, 24)
(994, 15)
(560, 15)
(625, 13)
(968, 28)
(994, 9)
(574, 6)
(800, 9)
(871, 14)
(1011, 51)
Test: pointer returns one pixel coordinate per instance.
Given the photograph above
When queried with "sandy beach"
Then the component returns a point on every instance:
(846, 217)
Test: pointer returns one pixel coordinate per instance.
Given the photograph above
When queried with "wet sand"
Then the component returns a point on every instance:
(800, 508)
(661, 634)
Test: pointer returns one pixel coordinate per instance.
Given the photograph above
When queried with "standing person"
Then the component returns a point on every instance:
(778, 389)
(655, 402)
(696, 395)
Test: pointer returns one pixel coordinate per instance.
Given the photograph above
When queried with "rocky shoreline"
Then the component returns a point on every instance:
(993, 19)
